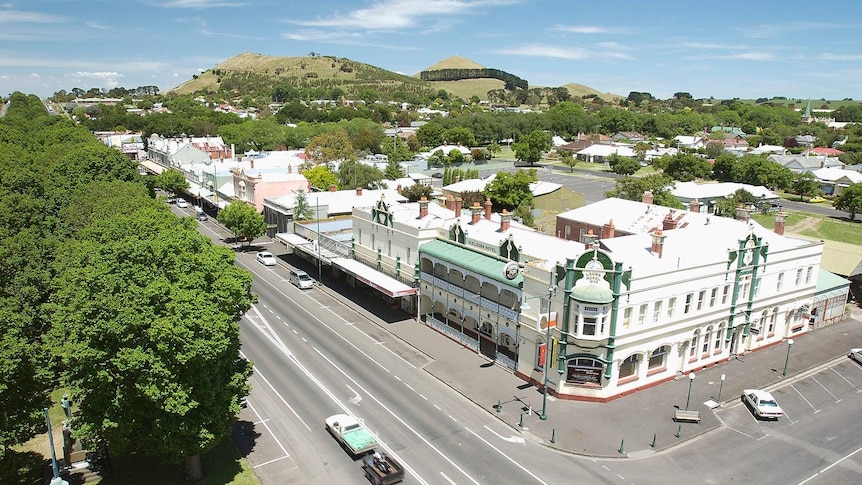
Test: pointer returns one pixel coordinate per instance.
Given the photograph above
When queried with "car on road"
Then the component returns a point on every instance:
(437, 175)
(856, 354)
(202, 216)
(266, 258)
(816, 200)
(181, 203)
(762, 404)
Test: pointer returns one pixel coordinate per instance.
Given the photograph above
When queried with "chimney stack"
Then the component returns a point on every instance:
(647, 197)
(505, 220)
(398, 189)
(488, 208)
(358, 191)
(458, 203)
(251, 162)
(450, 202)
(657, 242)
(694, 206)
(476, 211)
(780, 219)
(608, 230)
(589, 238)
(423, 207)
(669, 222)
(332, 187)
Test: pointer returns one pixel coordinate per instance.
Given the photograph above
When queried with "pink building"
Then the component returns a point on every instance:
(253, 188)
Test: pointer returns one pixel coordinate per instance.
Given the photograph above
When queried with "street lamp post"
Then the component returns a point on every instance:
(56, 480)
(719, 389)
(551, 292)
(787, 359)
(691, 377)
(319, 263)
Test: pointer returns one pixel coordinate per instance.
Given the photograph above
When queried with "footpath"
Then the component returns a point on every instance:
(640, 423)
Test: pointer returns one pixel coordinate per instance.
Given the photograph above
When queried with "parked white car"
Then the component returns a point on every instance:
(266, 258)
(856, 354)
(181, 203)
(762, 404)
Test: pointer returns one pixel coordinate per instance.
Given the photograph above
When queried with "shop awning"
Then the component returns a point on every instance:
(153, 167)
(379, 281)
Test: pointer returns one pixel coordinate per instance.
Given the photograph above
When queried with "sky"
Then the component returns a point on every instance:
(751, 49)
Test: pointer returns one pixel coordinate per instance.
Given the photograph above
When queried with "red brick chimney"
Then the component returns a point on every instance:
(488, 208)
(608, 230)
(251, 162)
(450, 202)
(358, 190)
(505, 220)
(694, 206)
(398, 189)
(333, 187)
(476, 212)
(657, 242)
(458, 203)
(423, 207)
(669, 221)
(647, 197)
(780, 219)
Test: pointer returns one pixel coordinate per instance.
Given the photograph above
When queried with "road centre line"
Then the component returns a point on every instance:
(803, 398)
(507, 457)
(280, 346)
(397, 417)
(447, 478)
(827, 390)
(830, 466)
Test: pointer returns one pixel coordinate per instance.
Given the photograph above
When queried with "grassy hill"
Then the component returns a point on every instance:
(248, 72)
(579, 90)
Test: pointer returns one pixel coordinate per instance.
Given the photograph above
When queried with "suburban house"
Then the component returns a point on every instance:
(702, 197)
(833, 181)
(804, 163)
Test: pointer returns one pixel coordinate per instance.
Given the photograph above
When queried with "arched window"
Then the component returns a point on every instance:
(772, 319)
(657, 357)
(718, 334)
(629, 366)
(692, 348)
(707, 337)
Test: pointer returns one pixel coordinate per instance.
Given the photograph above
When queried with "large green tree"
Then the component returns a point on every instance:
(243, 220)
(623, 165)
(632, 188)
(510, 190)
(330, 147)
(850, 200)
(146, 309)
(172, 181)
(355, 174)
(532, 147)
(686, 167)
(805, 184)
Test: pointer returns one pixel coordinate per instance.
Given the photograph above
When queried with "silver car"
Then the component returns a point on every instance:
(856, 354)
(762, 404)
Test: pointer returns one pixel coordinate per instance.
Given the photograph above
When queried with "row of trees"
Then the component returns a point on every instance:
(104, 291)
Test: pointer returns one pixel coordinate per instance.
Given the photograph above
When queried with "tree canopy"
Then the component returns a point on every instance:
(510, 190)
(532, 147)
(242, 220)
(850, 200)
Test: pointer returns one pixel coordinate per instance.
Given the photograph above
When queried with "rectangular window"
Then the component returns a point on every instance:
(627, 317)
(712, 296)
(671, 307)
(808, 274)
(408, 255)
(700, 297)
(642, 314)
(688, 299)
(780, 282)
(798, 276)
(589, 326)
(744, 291)
(718, 338)
(756, 286)
(724, 294)
(656, 313)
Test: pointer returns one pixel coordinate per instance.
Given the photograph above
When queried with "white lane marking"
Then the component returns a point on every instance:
(422, 396)
(830, 466)
(452, 418)
(507, 457)
(511, 439)
(437, 407)
(621, 477)
(803, 398)
(845, 379)
(356, 397)
(283, 450)
(261, 421)
(280, 346)
(827, 390)
(606, 468)
(447, 478)
(397, 417)
(410, 387)
(271, 461)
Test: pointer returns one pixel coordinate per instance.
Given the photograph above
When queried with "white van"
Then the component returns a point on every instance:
(301, 279)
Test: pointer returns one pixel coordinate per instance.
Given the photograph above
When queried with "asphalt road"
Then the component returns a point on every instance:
(316, 355)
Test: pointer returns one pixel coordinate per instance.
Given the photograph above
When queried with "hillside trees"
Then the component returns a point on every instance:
(630, 188)
(686, 167)
(330, 147)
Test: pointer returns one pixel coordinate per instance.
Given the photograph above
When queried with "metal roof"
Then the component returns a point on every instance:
(470, 260)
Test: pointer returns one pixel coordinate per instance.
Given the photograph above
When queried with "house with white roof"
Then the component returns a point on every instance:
(598, 153)
(706, 195)
(691, 142)
(805, 163)
(833, 181)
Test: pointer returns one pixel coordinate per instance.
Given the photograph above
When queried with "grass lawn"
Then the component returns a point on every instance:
(841, 231)
(24, 465)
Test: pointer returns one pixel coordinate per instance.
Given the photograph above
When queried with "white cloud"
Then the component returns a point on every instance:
(401, 14)
(35, 75)
(95, 75)
(97, 26)
(709, 46)
(828, 56)
(589, 29)
(570, 53)
(340, 37)
(7, 15)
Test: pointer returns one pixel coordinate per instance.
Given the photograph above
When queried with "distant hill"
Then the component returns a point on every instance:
(579, 90)
(249, 72)
(454, 62)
